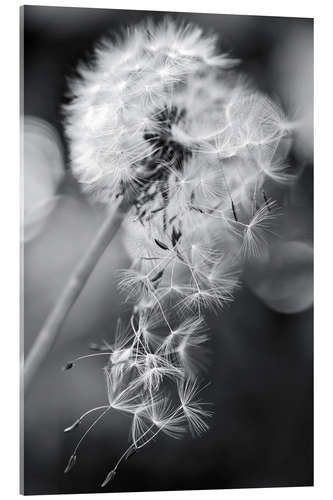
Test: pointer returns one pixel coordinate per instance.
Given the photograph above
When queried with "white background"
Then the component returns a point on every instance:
(10, 249)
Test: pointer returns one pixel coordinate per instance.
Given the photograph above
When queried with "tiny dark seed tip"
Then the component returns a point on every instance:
(160, 244)
(68, 366)
(158, 276)
(175, 236)
(234, 211)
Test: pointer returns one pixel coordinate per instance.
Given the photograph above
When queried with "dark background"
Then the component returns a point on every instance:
(261, 366)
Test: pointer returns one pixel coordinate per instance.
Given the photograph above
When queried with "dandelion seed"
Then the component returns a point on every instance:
(110, 477)
(257, 230)
(142, 427)
(70, 463)
(188, 391)
(166, 418)
(75, 425)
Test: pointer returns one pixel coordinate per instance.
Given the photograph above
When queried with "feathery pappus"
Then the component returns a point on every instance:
(162, 114)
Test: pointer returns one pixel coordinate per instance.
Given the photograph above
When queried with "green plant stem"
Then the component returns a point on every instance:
(51, 328)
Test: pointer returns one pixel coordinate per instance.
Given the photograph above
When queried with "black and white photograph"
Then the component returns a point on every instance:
(166, 250)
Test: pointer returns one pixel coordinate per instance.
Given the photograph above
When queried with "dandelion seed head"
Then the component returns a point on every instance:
(163, 115)
(125, 111)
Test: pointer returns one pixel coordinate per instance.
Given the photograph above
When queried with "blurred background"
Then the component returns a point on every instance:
(261, 346)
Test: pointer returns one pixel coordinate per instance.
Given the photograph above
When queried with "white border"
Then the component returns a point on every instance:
(9, 196)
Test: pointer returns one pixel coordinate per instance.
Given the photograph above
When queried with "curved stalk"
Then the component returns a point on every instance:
(50, 330)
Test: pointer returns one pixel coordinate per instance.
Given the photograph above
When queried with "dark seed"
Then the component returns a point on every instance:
(68, 366)
(234, 211)
(175, 236)
(161, 245)
(158, 276)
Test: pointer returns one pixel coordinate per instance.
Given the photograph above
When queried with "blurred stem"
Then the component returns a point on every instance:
(51, 328)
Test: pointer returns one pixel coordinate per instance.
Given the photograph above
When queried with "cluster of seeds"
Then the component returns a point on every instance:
(162, 115)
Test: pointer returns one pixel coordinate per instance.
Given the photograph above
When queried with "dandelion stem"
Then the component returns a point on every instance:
(49, 332)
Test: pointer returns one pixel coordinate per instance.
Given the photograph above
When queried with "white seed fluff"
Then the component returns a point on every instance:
(162, 114)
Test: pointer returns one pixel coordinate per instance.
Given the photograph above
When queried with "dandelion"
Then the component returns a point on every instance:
(163, 130)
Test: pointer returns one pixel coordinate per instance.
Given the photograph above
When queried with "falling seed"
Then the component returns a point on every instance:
(73, 426)
(109, 478)
(71, 463)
